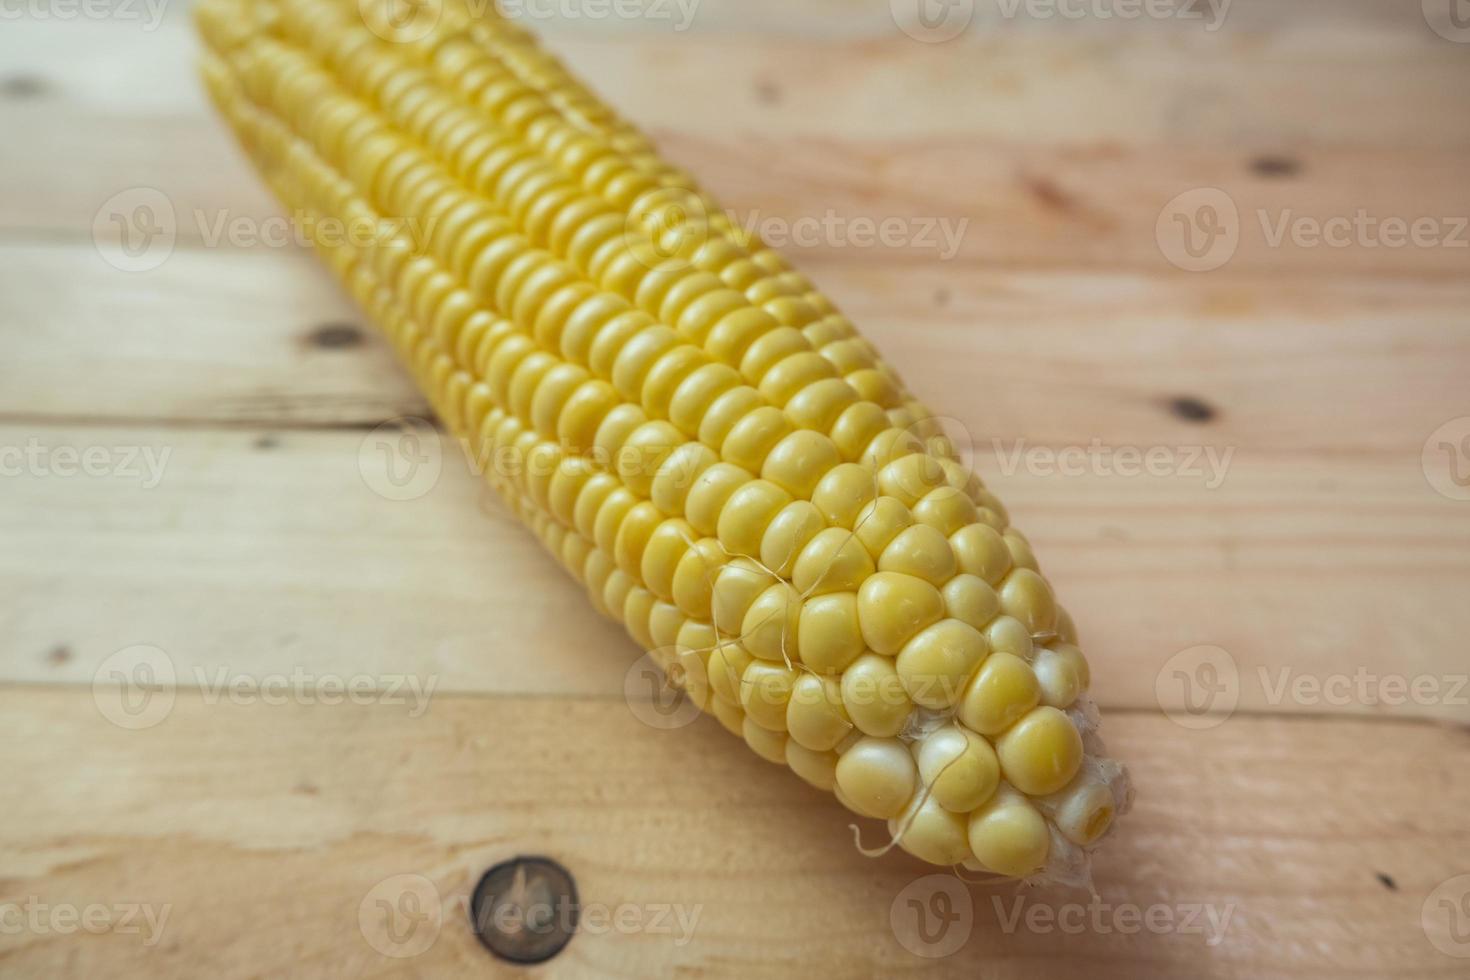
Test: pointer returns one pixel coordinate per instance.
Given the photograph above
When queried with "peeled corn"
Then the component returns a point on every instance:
(693, 429)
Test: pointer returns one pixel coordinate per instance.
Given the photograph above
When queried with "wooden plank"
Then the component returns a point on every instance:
(269, 553)
(1095, 205)
(1047, 82)
(815, 19)
(241, 337)
(1063, 359)
(263, 552)
(1219, 90)
(1059, 358)
(292, 818)
(265, 558)
(1071, 149)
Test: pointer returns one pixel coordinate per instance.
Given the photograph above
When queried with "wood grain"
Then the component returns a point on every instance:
(491, 717)
(196, 340)
(260, 552)
(1070, 148)
(858, 76)
(1057, 358)
(256, 821)
(1091, 205)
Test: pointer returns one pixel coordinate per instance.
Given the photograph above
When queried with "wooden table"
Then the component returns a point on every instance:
(216, 508)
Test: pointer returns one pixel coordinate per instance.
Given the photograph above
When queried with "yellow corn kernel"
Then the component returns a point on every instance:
(982, 552)
(911, 478)
(945, 509)
(880, 522)
(635, 530)
(769, 745)
(817, 768)
(753, 438)
(799, 461)
(937, 663)
(815, 715)
(661, 556)
(893, 608)
(736, 587)
(843, 494)
(1002, 692)
(692, 584)
(1061, 672)
(932, 832)
(959, 767)
(1009, 835)
(828, 633)
(665, 621)
(1025, 596)
(643, 453)
(747, 514)
(770, 629)
(922, 552)
(727, 664)
(1020, 550)
(878, 775)
(765, 692)
(1040, 753)
(874, 696)
(708, 494)
(1066, 629)
(1008, 635)
(832, 560)
(971, 600)
(788, 534)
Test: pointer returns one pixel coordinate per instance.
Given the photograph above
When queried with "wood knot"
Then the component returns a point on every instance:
(525, 910)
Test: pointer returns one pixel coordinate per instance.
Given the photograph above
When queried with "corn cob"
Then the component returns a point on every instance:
(687, 423)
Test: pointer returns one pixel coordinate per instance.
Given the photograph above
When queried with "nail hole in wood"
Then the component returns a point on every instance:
(1387, 881)
(1192, 409)
(1276, 166)
(334, 336)
(22, 86)
(525, 910)
(1051, 194)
